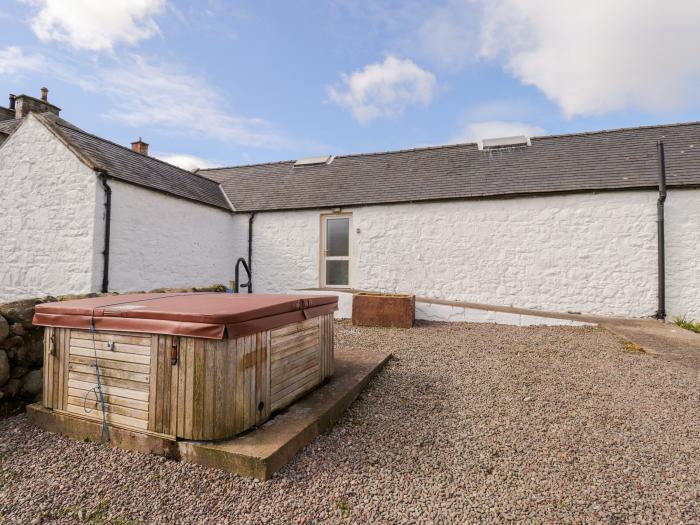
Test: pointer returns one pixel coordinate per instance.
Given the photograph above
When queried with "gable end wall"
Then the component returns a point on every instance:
(47, 217)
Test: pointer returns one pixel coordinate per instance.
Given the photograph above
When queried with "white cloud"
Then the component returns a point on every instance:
(596, 57)
(383, 89)
(145, 94)
(14, 61)
(95, 25)
(449, 34)
(476, 131)
(186, 162)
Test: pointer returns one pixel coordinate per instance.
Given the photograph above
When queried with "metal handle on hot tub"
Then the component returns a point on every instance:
(174, 351)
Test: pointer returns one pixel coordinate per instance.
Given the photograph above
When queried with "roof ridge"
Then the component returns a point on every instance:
(247, 165)
(463, 144)
(80, 130)
(617, 130)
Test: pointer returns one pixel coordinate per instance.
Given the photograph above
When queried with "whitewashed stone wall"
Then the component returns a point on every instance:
(683, 253)
(588, 253)
(47, 217)
(285, 251)
(161, 241)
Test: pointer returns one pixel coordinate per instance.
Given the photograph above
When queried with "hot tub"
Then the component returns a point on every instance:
(184, 365)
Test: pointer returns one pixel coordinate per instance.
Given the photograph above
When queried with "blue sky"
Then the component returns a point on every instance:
(224, 83)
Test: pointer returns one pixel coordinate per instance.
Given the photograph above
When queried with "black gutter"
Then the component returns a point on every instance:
(250, 252)
(108, 224)
(661, 311)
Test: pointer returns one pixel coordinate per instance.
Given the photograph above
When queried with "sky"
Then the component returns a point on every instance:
(221, 83)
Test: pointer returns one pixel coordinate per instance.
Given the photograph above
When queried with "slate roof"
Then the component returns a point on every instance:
(8, 126)
(595, 161)
(123, 164)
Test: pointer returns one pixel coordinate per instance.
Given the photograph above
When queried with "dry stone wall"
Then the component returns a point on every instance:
(21, 349)
(21, 355)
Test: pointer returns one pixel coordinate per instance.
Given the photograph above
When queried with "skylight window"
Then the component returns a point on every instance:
(504, 142)
(314, 161)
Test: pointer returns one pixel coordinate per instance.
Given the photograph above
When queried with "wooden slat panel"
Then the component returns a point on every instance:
(112, 355)
(189, 392)
(164, 391)
(262, 378)
(118, 347)
(211, 348)
(154, 412)
(219, 392)
(281, 402)
(198, 390)
(295, 327)
(109, 381)
(109, 398)
(117, 391)
(239, 399)
(47, 392)
(256, 351)
(181, 386)
(278, 354)
(230, 389)
(327, 347)
(64, 356)
(278, 365)
(172, 428)
(56, 369)
(301, 376)
(108, 372)
(292, 340)
(109, 364)
(294, 369)
(111, 408)
(129, 422)
(140, 340)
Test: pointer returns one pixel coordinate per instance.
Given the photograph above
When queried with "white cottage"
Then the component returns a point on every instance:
(565, 223)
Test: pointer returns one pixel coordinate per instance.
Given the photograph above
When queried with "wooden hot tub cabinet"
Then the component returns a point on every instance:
(181, 386)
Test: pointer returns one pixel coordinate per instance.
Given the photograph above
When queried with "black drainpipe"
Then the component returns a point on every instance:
(250, 251)
(661, 311)
(108, 223)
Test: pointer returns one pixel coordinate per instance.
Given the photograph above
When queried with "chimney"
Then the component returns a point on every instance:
(140, 147)
(23, 104)
(8, 113)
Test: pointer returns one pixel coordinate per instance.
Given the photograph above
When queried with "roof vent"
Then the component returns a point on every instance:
(504, 142)
(314, 161)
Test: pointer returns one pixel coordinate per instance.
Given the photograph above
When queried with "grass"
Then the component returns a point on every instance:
(688, 324)
(629, 346)
(343, 507)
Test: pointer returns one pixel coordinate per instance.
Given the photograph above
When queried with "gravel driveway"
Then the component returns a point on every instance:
(469, 422)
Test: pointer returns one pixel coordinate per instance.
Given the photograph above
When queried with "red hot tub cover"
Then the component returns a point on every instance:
(207, 315)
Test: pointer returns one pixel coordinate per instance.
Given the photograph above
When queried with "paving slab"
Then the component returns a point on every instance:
(258, 453)
(665, 340)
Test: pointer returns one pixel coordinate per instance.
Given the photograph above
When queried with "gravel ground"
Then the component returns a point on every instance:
(469, 423)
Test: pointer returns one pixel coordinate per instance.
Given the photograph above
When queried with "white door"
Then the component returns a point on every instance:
(335, 249)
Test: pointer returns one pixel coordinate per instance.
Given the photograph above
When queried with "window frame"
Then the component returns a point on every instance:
(322, 251)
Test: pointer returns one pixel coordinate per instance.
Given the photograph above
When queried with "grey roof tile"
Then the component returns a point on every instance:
(604, 160)
(124, 164)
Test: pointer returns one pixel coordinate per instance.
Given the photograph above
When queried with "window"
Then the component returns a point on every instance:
(335, 250)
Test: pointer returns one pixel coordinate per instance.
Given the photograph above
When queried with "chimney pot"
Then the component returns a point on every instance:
(44, 94)
(12, 102)
(140, 147)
